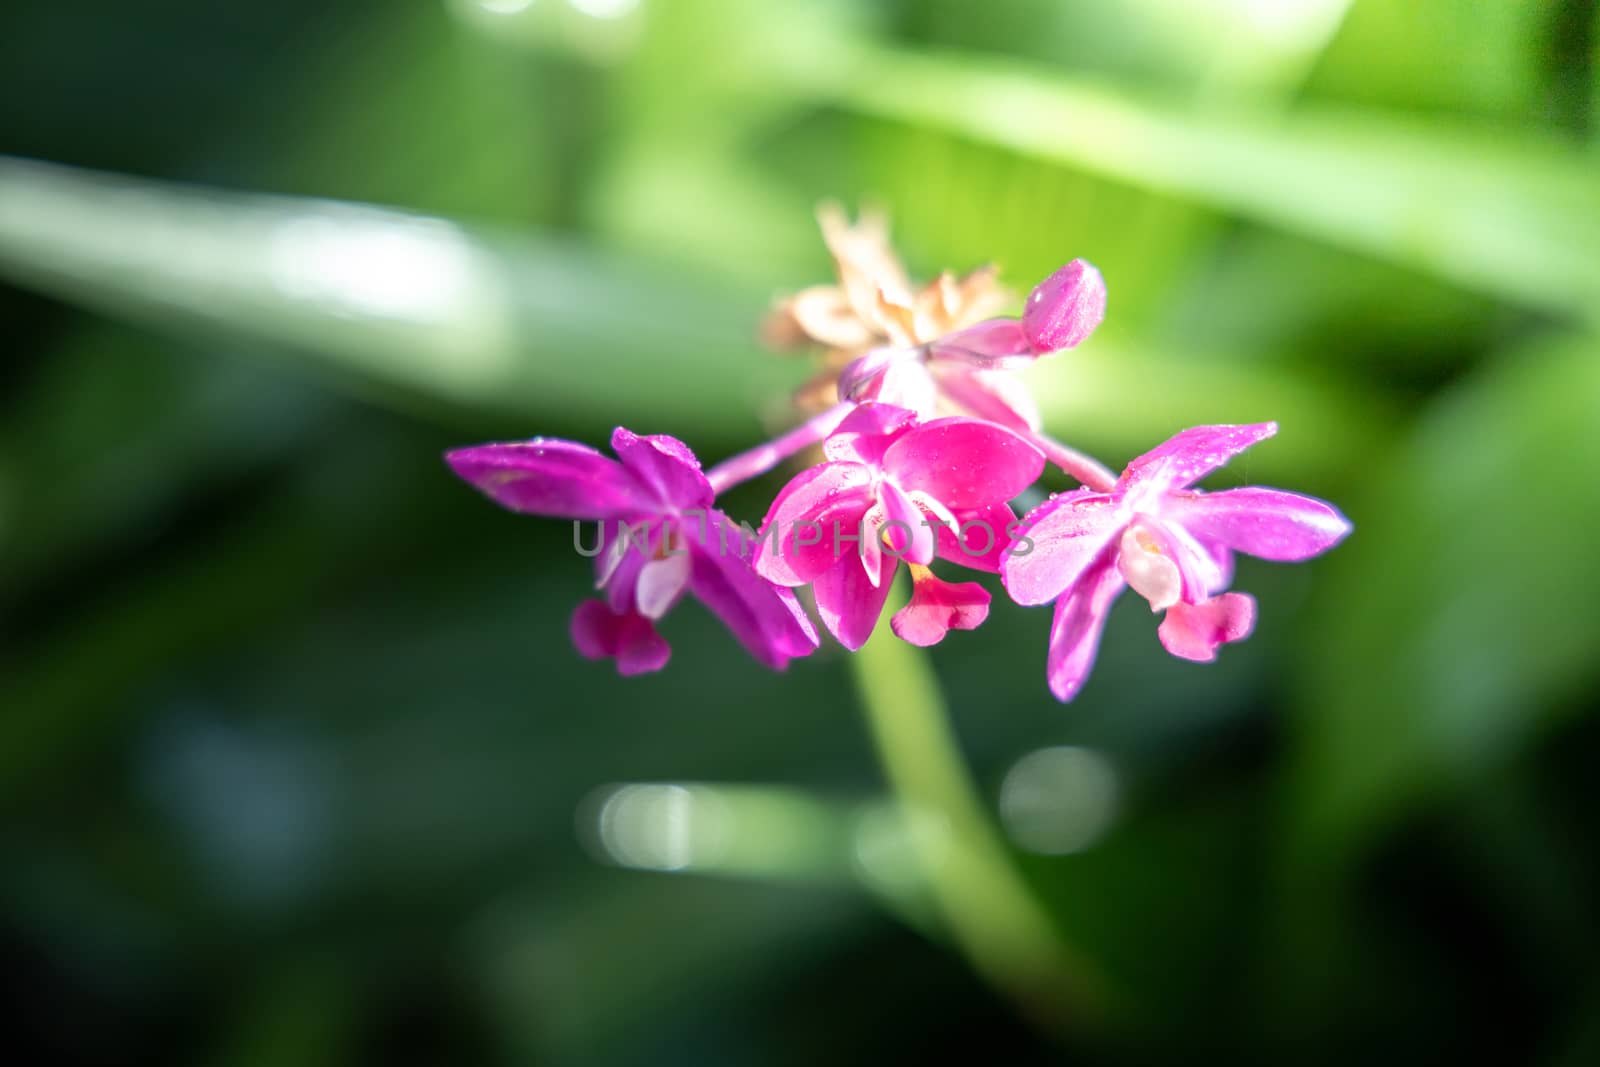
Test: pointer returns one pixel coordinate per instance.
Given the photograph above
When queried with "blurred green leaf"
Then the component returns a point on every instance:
(1205, 47)
(462, 133)
(1460, 616)
(1511, 215)
(1593, 113)
(1122, 395)
(1482, 59)
(568, 978)
(300, 1013)
(118, 430)
(61, 687)
(403, 301)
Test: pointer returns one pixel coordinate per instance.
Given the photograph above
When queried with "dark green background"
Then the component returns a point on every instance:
(294, 750)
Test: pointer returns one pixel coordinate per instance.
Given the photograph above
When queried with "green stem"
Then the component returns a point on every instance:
(990, 910)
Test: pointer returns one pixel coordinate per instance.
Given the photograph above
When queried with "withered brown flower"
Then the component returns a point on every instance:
(872, 304)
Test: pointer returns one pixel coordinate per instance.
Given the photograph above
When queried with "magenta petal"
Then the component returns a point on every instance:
(979, 538)
(998, 396)
(964, 463)
(1067, 534)
(1186, 457)
(550, 477)
(997, 344)
(868, 551)
(1075, 629)
(622, 585)
(628, 547)
(629, 638)
(1268, 523)
(848, 603)
(1064, 309)
(908, 384)
(910, 532)
(1195, 631)
(937, 607)
(1207, 566)
(859, 379)
(766, 619)
(892, 377)
(666, 466)
(818, 508)
(863, 434)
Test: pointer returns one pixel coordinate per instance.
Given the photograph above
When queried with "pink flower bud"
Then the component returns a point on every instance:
(1064, 309)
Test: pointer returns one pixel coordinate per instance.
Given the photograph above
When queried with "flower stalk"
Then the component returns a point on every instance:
(767, 455)
(989, 909)
(1090, 472)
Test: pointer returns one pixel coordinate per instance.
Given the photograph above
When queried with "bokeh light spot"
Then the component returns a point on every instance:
(1058, 800)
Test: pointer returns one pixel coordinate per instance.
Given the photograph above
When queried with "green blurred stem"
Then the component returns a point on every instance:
(988, 907)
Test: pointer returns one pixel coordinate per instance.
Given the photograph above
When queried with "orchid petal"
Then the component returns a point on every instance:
(965, 463)
(848, 603)
(1268, 523)
(823, 501)
(978, 538)
(1067, 534)
(862, 256)
(862, 435)
(894, 316)
(907, 384)
(1064, 309)
(995, 344)
(613, 549)
(936, 514)
(937, 607)
(859, 379)
(666, 466)
(766, 619)
(551, 477)
(997, 396)
(1186, 457)
(910, 534)
(1207, 566)
(1075, 629)
(627, 637)
(661, 582)
(869, 542)
(621, 586)
(1180, 566)
(1149, 570)
(628, 547)
(1195, 631)
(824, 314)
(892, 377)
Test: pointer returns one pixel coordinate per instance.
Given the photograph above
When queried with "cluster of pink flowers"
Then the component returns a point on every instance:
(926, 437)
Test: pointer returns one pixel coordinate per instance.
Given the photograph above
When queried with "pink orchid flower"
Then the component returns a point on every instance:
(674, 542)
(894, 488)
(969, 370)
(1171, 543)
